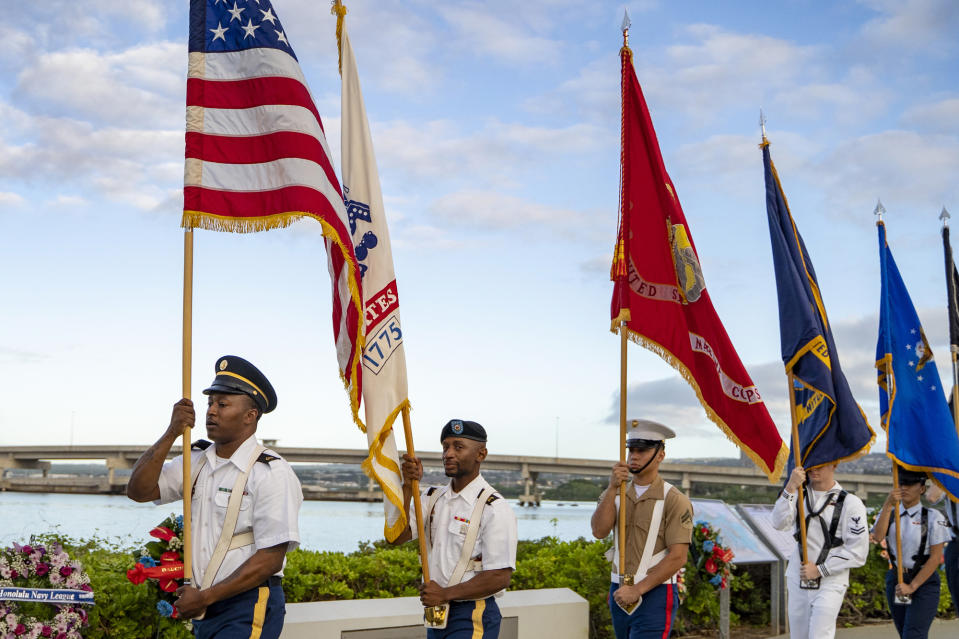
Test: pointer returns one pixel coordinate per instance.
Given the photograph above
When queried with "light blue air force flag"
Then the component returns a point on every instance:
(919, 428)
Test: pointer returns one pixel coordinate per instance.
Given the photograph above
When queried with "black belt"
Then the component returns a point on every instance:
(272, 581)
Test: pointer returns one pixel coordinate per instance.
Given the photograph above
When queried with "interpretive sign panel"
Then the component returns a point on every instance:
(735, 532)
(759, 516)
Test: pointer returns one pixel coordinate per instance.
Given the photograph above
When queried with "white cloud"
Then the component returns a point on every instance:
(68, 201)
(933, 117)
(10, 200)
(898, 166)
(926, 25)
(496, 154)
(480, 28)
(143, 85)
(490, 210)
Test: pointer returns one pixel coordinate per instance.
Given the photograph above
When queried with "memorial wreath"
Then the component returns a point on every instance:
(42, 593)
(160, 564)
(709, 555)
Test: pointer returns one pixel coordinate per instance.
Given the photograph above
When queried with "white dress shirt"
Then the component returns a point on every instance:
(270, 505)
(852, 529)
(495, 544)
(936, 526)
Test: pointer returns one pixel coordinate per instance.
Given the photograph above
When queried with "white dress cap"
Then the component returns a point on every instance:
(647, 429)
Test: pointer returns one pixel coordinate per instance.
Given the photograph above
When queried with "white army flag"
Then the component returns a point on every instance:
(384, 360)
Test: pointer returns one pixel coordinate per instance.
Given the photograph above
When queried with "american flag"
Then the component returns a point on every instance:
(256, 152)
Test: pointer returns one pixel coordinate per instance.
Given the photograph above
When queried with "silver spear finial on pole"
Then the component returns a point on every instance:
(879, 210)
(944, 216)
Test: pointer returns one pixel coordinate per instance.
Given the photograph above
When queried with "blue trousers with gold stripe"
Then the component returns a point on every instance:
(470, 620)
(254, 614)
(654, 617)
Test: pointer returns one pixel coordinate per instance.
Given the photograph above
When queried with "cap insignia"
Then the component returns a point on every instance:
(457, 426)
(223, 364)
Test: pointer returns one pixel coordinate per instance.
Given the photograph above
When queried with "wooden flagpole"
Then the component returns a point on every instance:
(418, 510)
(801, 510)
(895, 485)
(624, 577)
(187, 369)
(433, 615)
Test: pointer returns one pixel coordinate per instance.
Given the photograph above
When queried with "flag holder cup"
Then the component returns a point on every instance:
(628, 580)
(436, 616)
(809, 584)
(903, 600)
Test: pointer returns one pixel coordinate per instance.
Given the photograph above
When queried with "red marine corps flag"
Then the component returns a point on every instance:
(660, 297)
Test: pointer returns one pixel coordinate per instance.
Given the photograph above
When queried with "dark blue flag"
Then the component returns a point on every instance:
(831, 425)
(919, 428)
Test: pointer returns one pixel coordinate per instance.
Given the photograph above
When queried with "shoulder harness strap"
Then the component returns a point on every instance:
(472, 532)
(229, 523)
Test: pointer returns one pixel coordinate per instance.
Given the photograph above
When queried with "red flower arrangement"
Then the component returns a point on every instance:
(710, 555)
(160, 564)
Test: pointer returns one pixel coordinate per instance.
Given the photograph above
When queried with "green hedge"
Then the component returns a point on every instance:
(376, 570)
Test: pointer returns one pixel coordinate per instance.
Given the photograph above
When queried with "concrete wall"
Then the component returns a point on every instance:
(557, 613)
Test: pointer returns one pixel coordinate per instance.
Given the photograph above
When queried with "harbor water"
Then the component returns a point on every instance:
(324, 525)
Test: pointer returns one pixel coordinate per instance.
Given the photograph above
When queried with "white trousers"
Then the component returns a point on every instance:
(812, 613)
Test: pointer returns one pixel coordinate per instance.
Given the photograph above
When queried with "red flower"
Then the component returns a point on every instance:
(723, 583)
(46, 631)
(717, 551)
(42, 569)
(66, 570)
(170, 557)
(167, 585)
(20, 629)
(14, 574)
(710, 566)
(137, 575)
(162, 532)
(704, 530)
(728, 555)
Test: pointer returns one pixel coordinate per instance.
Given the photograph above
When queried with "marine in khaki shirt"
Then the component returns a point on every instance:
(654, 584)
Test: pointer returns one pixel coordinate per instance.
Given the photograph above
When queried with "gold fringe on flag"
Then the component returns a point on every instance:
(781, 457)
(376, 452)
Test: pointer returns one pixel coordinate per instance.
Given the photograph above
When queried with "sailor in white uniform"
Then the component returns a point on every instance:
(836, 541)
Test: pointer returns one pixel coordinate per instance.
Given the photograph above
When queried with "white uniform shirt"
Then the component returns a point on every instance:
(851, 529)
(495, 543)
(270, 505)
(936, 526)
(951, 510)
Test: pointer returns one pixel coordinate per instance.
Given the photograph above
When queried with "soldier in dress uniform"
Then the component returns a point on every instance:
(471, 536)
(245, 507)
(924, 532)
(654, 510)
(836, 541)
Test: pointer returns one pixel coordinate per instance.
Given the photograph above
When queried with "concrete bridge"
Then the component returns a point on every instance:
(123, 457)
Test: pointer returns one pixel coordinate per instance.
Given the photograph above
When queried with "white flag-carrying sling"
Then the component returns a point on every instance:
(384, 361)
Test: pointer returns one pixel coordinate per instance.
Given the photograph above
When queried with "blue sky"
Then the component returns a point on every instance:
(496, 127)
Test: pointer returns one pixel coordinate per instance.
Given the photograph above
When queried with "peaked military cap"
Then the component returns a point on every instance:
(236, 376)
(910, 477)
(644, 433)
(464, 429)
